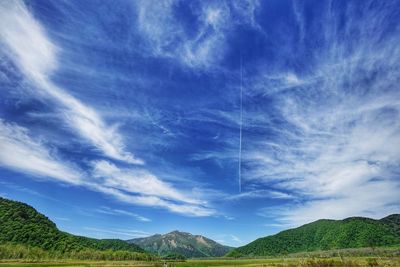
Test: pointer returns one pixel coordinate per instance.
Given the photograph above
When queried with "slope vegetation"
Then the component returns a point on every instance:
(355, 232)
(21, 224)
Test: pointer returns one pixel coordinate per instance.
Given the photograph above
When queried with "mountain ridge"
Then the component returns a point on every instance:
(183, 243)
(325, 234)
(22, 224)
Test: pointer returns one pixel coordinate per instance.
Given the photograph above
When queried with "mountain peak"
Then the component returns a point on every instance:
(178, 242)
(177, 232)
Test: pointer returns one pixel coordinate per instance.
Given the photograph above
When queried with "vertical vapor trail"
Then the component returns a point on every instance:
(240, 124)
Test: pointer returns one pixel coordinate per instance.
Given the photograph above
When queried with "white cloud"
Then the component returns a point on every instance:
(167, 37)
(222, 239)
(140, 187)
(110, 211)
(340, 159)
(123, 233)
(26, 39)
(20, 152)
(136, 181)
(374, 199)
(236, 239)
(203, 47)
(245, 12)
(153, 201)
(335, 145)
(259, 194)
(26, 43)
(62, 219)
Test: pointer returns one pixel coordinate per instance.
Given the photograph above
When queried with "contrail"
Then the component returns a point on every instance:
(240, 124)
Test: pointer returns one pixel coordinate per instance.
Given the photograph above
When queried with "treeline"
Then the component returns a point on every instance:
(16, 252)
(174, 257)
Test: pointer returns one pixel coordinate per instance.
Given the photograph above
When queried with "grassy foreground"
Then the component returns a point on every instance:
(271, 262)
(365, 257)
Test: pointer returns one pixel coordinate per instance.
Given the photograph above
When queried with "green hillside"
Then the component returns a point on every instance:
(186, 244)
(22, 224)
(355, 232)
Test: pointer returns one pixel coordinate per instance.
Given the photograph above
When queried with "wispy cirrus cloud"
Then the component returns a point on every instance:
(330, 130)
(110, 211)
(201, 44)
(260, 194)
(180, 207)
(136, 181)
(228, 239)
(141, 187)
(26, 43)
(371, 199)
(62, 219)
(122, 233)
(19, 151)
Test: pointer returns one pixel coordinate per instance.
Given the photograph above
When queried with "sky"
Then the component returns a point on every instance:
(230, 119)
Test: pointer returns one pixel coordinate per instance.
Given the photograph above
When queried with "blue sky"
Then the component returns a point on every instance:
(122, 118)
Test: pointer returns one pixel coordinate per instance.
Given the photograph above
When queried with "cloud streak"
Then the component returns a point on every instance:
(32, 51)
(179, 207)
(136, 181)
(20, 152)
(124, 233)
(110, 211)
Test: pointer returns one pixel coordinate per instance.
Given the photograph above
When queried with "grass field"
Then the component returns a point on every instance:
(276, 262)
(359, 257)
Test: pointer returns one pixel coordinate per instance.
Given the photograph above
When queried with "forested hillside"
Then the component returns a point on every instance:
(355, 232)
(23, 225)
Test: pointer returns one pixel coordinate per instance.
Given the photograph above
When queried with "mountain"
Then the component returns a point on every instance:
(22, 224)
(354, 232)
(393, 222)
(188, 245)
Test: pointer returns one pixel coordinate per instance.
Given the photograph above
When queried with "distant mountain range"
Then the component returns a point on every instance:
(355, 232)
(22, 224)
(186, 244)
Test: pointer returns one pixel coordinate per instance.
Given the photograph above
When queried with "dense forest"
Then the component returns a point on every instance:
(24, 229)
(355, 232)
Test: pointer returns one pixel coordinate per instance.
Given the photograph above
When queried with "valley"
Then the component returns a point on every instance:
(29, 238)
